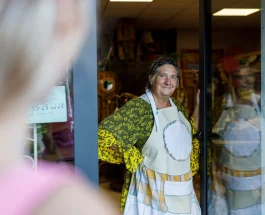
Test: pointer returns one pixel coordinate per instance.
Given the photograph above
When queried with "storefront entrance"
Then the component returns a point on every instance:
(221, 54)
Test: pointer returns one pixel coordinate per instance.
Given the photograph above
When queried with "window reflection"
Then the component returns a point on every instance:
(236, 165)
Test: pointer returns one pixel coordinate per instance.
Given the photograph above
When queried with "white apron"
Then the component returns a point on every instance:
(240, 130)
(162, 185)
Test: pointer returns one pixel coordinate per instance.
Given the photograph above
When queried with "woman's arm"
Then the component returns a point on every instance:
(108, 147)
(195, 114)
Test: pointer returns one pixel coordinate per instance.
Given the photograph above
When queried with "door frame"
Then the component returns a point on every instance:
(85, 101)
(205, 77)
(263, 95)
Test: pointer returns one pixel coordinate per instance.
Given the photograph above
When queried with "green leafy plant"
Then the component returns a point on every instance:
(42, 129)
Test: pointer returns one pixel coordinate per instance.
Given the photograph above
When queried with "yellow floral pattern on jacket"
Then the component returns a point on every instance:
(129, 129)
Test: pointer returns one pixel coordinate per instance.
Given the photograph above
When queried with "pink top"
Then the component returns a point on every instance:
(23, 191)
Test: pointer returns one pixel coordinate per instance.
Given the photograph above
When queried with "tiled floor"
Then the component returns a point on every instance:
(115, 196)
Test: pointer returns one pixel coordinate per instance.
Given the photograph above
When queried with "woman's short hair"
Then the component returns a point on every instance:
(157, 64)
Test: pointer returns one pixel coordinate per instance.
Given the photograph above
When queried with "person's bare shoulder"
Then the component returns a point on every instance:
(78, 200)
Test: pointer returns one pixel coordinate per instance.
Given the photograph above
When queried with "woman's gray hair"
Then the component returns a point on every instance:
(154, 69)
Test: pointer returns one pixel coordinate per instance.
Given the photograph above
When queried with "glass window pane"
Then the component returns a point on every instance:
(235, 175)
(51, 134)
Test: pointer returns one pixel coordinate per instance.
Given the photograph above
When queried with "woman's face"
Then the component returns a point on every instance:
(165, 81)
(244, 80)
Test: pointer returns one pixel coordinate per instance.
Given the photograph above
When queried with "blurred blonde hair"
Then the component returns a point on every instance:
(27, 32)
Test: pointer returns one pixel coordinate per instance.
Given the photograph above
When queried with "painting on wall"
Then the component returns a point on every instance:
(190, 58)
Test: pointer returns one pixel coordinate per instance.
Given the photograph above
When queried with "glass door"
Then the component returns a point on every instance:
(234, 149)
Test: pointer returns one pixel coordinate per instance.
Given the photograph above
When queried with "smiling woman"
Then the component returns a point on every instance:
(152, 135)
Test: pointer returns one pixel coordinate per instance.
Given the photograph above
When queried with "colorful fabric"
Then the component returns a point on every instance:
(129, 128)
(132, 157)
(148, 185)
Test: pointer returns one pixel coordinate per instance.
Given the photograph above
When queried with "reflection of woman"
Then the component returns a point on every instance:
(153, 137)
(238, 176)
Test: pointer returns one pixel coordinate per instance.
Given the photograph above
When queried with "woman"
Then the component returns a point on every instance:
(153, 137)
(38, 41)
(237, 146)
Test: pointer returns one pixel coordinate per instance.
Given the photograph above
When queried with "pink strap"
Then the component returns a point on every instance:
(22, 191)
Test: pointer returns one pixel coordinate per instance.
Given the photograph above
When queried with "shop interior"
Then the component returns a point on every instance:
(131, 35)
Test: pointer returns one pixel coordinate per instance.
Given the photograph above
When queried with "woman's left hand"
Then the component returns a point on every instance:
(198, 97)
(195, 114)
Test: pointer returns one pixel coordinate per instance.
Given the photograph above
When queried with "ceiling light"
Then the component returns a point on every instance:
(131, 0)
(235, 12)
